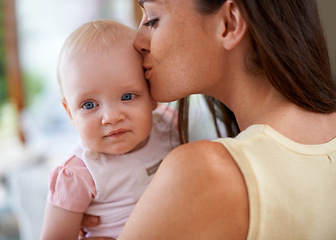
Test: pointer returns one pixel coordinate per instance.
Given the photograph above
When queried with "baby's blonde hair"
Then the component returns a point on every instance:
(94, 37)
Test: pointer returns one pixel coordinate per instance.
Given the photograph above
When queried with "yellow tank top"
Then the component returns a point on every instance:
(291, 186)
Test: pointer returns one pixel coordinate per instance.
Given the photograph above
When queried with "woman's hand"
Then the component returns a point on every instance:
(90, 221)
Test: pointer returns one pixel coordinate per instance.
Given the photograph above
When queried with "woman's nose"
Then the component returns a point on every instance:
(112, 117)
(141, 42)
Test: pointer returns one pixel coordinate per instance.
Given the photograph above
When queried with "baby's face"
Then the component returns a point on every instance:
(108, 100)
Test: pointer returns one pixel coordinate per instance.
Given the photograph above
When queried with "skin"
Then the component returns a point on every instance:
(99, 103)
(186, 53)
(101, 100)
(166, 60)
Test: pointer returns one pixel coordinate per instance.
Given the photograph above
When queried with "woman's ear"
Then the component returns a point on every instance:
(67, 109)
(233, 27)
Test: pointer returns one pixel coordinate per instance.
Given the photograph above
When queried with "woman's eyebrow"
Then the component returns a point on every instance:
(141, 2)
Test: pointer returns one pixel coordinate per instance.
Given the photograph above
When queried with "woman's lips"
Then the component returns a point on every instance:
(148, 71)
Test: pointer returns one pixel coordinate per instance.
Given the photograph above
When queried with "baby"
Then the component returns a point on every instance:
(122, 140)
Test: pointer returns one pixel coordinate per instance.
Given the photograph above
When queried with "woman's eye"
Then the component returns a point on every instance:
(128, 97)
(151, 23)
(89, 105)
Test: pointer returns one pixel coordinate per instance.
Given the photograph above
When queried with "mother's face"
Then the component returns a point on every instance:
(181, 49)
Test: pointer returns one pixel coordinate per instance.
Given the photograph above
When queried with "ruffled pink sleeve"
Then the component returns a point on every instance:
(71, 186)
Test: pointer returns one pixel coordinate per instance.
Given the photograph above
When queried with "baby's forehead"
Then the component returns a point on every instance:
(106, 56)
(118, 49)
(123, 60)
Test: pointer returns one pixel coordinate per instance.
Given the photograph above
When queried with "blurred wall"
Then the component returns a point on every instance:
(328, 18)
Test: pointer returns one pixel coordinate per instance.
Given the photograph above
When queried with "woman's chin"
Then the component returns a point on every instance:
(165, 96)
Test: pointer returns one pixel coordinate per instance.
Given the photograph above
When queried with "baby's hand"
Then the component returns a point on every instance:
(90, 221)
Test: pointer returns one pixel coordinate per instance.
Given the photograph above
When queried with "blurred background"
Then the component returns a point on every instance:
(34, 130)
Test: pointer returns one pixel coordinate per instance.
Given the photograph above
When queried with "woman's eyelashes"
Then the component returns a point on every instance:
(151, 23)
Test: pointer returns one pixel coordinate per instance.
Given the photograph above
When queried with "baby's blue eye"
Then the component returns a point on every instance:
(127, 97)
(89, 105)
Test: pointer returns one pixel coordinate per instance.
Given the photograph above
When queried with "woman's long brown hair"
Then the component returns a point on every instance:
(289, 48)
(218, 111)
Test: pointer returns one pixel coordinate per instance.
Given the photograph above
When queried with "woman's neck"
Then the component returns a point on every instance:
(257, 102)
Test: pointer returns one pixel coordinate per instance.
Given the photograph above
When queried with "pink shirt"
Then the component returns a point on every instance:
(71, 177)
(109, 186)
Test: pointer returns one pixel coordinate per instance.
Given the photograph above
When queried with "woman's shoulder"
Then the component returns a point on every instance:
(210, 164)
(205, 197)
(208, 156)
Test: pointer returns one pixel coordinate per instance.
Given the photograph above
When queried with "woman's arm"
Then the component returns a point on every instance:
(60, 224)
(197, 193)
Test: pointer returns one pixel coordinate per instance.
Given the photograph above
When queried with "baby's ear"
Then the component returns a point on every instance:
(67, 109)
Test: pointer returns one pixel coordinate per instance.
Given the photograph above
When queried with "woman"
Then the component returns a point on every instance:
(267, 61)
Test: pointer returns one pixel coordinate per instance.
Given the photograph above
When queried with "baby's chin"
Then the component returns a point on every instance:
(117, 151)
(124, 149)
